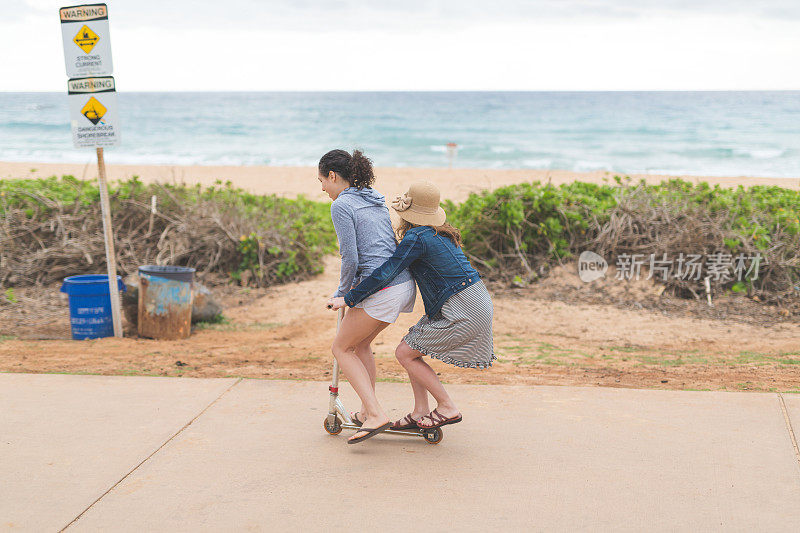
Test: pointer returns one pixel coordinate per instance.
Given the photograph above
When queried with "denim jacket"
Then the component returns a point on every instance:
(439, 267)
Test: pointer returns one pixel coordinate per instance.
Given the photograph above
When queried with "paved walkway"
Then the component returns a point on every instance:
(98, 453)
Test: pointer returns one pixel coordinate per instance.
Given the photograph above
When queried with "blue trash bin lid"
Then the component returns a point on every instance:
(86, 284)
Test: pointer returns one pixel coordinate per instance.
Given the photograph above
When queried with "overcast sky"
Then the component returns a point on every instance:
(201, 45)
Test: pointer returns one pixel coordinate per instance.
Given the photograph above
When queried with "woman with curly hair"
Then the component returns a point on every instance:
(457, 325)
(366, 240)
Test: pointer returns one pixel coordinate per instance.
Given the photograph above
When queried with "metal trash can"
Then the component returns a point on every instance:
(90, 305)
(165, 301)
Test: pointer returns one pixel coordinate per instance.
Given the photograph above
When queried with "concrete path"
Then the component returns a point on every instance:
(98, 453)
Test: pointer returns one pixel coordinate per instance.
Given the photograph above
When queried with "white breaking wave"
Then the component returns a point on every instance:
(761, 153)
(588, 166)
(537, 163)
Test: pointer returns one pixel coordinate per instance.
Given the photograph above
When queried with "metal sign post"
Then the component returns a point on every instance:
(93, 110)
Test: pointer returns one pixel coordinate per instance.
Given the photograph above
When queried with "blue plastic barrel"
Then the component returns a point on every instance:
(90, 305)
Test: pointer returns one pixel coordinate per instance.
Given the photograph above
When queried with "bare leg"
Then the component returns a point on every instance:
(421, 406)
(356, 326)
(425, 377)
(364, 353)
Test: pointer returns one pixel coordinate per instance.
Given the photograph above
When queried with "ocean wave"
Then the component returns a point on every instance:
(501, 149)
(590, 166)
(537, 163)
(761, 153)
(39, 107)
(734, 153)
(26, 125)
(713, 153)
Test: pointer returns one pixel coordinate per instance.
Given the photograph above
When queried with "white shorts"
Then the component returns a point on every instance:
(387, 304)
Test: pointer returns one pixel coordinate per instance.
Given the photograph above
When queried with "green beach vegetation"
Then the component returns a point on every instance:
(51, 228)
(516, 233)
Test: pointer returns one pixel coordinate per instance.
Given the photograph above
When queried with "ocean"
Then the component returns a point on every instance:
(695, 133)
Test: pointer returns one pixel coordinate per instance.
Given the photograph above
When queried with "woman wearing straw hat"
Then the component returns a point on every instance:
(457, 325)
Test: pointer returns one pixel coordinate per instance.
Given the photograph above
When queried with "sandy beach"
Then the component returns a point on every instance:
(456, 183)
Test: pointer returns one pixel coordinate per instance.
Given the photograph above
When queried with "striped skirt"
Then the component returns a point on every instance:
(461, 334)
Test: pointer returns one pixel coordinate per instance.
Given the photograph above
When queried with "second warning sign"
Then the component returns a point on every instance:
(92, 107)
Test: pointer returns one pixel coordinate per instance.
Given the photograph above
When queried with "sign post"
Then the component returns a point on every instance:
(93, 110)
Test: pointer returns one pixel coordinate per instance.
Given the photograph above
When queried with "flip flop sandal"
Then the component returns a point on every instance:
(439, 420)
(405, 423)
(355, 420)
(370, 433)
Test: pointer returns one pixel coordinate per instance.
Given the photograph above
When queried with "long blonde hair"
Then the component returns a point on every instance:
(451, 232)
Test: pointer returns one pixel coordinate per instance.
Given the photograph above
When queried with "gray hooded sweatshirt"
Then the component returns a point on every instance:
(366, 238)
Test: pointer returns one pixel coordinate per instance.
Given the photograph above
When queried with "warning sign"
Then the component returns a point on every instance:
(92, 105)
(93, 110)
(87, 46)
(86, 39)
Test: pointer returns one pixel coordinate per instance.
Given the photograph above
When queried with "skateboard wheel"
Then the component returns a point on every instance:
(333, 429)
(433, 436)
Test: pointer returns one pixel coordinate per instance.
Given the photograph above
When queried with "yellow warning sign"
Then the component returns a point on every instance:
(86, 39)
(93, 110)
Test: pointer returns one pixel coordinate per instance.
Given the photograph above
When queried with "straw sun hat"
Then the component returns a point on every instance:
(420, 205)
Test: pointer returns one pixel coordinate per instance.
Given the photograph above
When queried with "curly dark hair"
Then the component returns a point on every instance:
(356, 169)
